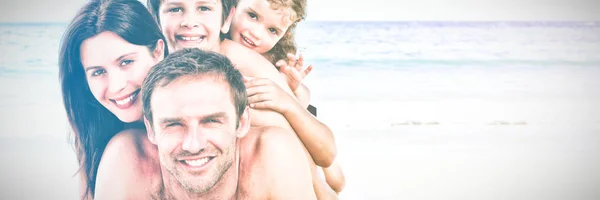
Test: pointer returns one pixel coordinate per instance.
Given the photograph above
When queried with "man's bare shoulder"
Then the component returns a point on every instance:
(129, 167)
(262, 143)
(273, 165)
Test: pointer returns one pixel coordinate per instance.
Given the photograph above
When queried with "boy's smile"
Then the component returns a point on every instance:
(192, 23)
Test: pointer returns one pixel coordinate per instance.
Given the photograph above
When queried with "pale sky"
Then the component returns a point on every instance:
(368, 10)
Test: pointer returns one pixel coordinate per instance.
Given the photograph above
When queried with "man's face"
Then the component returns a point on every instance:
(194, 128)
(192, 23)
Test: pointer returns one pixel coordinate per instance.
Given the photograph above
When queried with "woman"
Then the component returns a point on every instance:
(105, 54)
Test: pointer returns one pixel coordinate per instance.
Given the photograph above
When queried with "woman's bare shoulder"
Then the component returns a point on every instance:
(129, 161)
(132, 142)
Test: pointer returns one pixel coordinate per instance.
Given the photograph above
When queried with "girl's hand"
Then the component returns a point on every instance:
(265, 94)
(292, 70)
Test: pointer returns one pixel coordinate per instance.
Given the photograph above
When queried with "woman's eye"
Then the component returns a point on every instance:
(98, 72)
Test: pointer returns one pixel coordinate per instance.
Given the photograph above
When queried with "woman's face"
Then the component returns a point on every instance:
(115, 70)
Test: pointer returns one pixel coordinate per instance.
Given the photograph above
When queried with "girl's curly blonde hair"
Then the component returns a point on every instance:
(287, 43)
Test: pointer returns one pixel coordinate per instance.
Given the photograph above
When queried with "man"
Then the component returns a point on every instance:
(200, 143)
(203, 24)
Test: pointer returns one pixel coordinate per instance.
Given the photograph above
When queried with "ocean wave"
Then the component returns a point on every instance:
(399, 63)
(27, 71)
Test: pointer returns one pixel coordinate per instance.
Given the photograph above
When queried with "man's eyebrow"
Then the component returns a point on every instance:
(215, 115)
(207, 1)
(169, 120)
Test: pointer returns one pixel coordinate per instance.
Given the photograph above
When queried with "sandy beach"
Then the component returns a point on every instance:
(411, 144)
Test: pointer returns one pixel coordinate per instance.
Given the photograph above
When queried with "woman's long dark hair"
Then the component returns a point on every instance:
(93, 125)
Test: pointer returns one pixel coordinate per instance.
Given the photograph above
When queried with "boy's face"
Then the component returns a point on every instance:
(192, 23)
(258, 26)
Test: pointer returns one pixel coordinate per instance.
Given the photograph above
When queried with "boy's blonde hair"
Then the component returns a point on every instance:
(287, 43)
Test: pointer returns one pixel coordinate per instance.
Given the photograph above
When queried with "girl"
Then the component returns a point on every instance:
(267, 27)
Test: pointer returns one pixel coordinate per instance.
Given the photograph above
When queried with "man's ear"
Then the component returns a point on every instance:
(227, 22)
(149, 131)
(244, 123)
(159, 52)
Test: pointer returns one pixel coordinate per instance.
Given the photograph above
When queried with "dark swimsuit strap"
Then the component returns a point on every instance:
(312, 110)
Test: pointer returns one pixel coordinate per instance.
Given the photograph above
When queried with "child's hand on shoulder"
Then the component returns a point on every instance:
(292, 70)
(265, 94)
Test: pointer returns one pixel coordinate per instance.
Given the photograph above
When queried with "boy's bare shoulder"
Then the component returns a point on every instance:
(229, 46)
(249, 62)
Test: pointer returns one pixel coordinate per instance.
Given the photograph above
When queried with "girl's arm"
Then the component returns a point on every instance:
(252, 64)
(303, 95)
(316, 136)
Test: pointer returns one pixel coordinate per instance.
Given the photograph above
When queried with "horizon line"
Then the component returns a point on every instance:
(472, 21)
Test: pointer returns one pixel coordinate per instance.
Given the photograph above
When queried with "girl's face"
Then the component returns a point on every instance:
(258, 26)
(115, 70)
